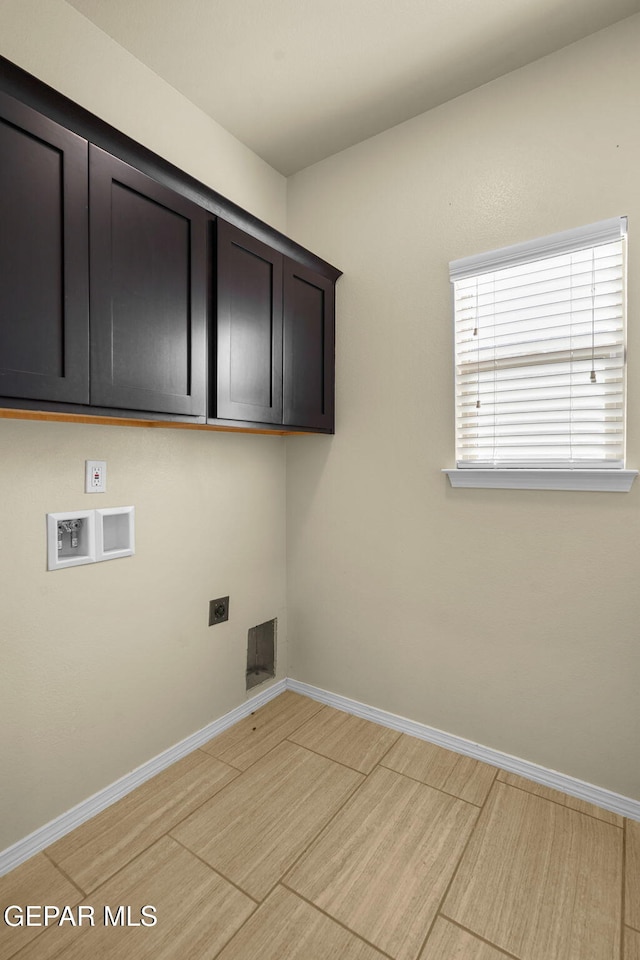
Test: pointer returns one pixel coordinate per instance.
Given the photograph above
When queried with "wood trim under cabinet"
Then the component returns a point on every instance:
(59, 417)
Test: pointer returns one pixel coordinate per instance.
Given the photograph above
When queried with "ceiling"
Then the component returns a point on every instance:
(299, 80)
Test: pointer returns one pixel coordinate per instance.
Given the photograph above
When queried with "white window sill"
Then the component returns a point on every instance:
(618, 481)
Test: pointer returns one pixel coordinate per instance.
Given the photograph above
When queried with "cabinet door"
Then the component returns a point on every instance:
(309, 347)
(44, 322)
(148, 292)
(249, 328)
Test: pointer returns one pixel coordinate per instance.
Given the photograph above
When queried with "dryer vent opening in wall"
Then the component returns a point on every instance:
(261, 653)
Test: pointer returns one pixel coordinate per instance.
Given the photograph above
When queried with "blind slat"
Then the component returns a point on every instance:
(530, 360)
(486, 388)
(472, 334)
(580, 299)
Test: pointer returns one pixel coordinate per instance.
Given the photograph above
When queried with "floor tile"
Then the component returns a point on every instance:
(197, 913)
(350, 740)
(254, 830)
(35, 882)
(448, 942)
(461, 776)
(94, 851)
(286, 926)
(346, 866)
(558, 797)
(383, 865)
(631, 944)
(257, 734)
(540, 880)
(632, 874)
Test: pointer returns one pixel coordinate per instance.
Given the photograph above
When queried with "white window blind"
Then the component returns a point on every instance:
(540, 352)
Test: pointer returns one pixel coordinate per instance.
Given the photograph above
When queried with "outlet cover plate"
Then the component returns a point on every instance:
(218, 610)
(95, 476)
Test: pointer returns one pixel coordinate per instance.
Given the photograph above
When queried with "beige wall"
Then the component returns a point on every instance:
(511, 618)
(104, 666)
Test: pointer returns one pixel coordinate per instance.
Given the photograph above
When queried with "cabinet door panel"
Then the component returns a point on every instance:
(44, 329)
(249, 328)
(309, 336)
(148, 292)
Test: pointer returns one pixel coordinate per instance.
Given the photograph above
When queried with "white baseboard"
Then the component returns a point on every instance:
(15, 855)
(606, 799)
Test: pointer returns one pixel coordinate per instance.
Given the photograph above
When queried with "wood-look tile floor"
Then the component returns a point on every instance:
(303, 833)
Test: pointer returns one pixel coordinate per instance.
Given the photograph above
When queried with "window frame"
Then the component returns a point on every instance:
(532, 474)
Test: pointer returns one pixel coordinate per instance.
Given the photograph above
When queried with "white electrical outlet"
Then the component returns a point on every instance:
(95, 476)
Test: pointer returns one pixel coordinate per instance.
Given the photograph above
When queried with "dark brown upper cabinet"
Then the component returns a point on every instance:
(148, 292)
(249, 328)
(44, 304)
(309, 348)
(274, 341)
(107, 287)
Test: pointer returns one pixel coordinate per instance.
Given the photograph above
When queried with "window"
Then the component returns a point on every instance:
(540, 357)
